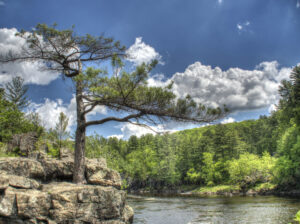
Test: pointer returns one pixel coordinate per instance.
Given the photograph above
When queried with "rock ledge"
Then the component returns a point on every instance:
(35, 191)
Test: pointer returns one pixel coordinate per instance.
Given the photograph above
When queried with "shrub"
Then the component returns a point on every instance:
(251, 169)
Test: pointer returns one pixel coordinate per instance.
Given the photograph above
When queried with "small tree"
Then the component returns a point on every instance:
(10, 119)
(16, 91)
(61, 130)
(127, 93)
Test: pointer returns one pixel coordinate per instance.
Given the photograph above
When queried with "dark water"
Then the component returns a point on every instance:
(179, 210)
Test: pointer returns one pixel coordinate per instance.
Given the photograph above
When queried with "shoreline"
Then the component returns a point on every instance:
(212, 193)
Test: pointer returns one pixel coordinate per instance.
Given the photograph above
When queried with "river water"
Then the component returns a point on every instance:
(214, 210)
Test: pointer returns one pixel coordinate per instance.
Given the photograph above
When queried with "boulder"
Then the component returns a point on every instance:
(98, 174)
(128, 214)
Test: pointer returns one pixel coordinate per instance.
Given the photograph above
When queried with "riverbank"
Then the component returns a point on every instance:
(219, 190)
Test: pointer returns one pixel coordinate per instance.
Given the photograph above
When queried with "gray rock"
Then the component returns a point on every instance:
(128, 214)
(17, 182)
(57, 169)
(8, 203)
(99, 175)
(22, 167)
(24, 200)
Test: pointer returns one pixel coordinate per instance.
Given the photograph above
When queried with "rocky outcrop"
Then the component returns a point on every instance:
(35, 191)
(23, 143)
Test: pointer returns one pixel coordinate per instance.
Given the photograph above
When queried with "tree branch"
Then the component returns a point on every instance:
(107, 119)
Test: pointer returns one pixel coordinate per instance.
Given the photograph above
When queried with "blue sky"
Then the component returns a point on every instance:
(233, 52)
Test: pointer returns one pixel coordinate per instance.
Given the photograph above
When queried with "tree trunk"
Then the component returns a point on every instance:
(79, 159)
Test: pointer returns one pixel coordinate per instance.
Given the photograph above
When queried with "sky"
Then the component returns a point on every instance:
(218, 51)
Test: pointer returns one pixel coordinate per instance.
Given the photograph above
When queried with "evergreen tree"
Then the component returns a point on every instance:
(128, 93)
(16, 92)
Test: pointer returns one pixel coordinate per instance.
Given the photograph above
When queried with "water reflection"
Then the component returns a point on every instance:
(218, 210)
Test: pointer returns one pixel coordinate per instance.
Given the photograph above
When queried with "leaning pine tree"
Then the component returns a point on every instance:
(127, 93)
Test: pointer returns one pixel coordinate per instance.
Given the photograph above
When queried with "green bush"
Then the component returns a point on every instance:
(251, 169)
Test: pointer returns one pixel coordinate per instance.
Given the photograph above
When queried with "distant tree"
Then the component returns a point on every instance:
(61, 130)
(37, 124)
(16, 92)
(127, 93)
(12, 120)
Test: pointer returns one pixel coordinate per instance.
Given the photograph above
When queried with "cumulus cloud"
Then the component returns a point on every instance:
(128, 130)
(228, 120)
(237, 88)
(220, 1)
(49, 112)
(140, 52)
(31, 72)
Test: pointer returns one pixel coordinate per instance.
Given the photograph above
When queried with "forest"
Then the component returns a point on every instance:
(247, 154)
(263, 152)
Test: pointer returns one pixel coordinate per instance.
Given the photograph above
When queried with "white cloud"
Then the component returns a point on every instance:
(243, 26)
(239, 89)
(31, 72)
(156, 80)
(140, 52)
(2, 3)
(239, 26)
(128, 130)
(131, 129)
(49, 111)
(97, 110)
(228, 120)
(220, 1)
(298, 4)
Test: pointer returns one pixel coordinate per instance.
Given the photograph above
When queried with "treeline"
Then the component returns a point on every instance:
(204, 156)
(245, 153)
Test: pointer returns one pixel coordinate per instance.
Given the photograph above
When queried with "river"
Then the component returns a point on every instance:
(216, 210)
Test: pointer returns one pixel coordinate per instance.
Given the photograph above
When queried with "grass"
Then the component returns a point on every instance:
(3, 152)
(264, 186)
(231, 188)
(217, 189)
